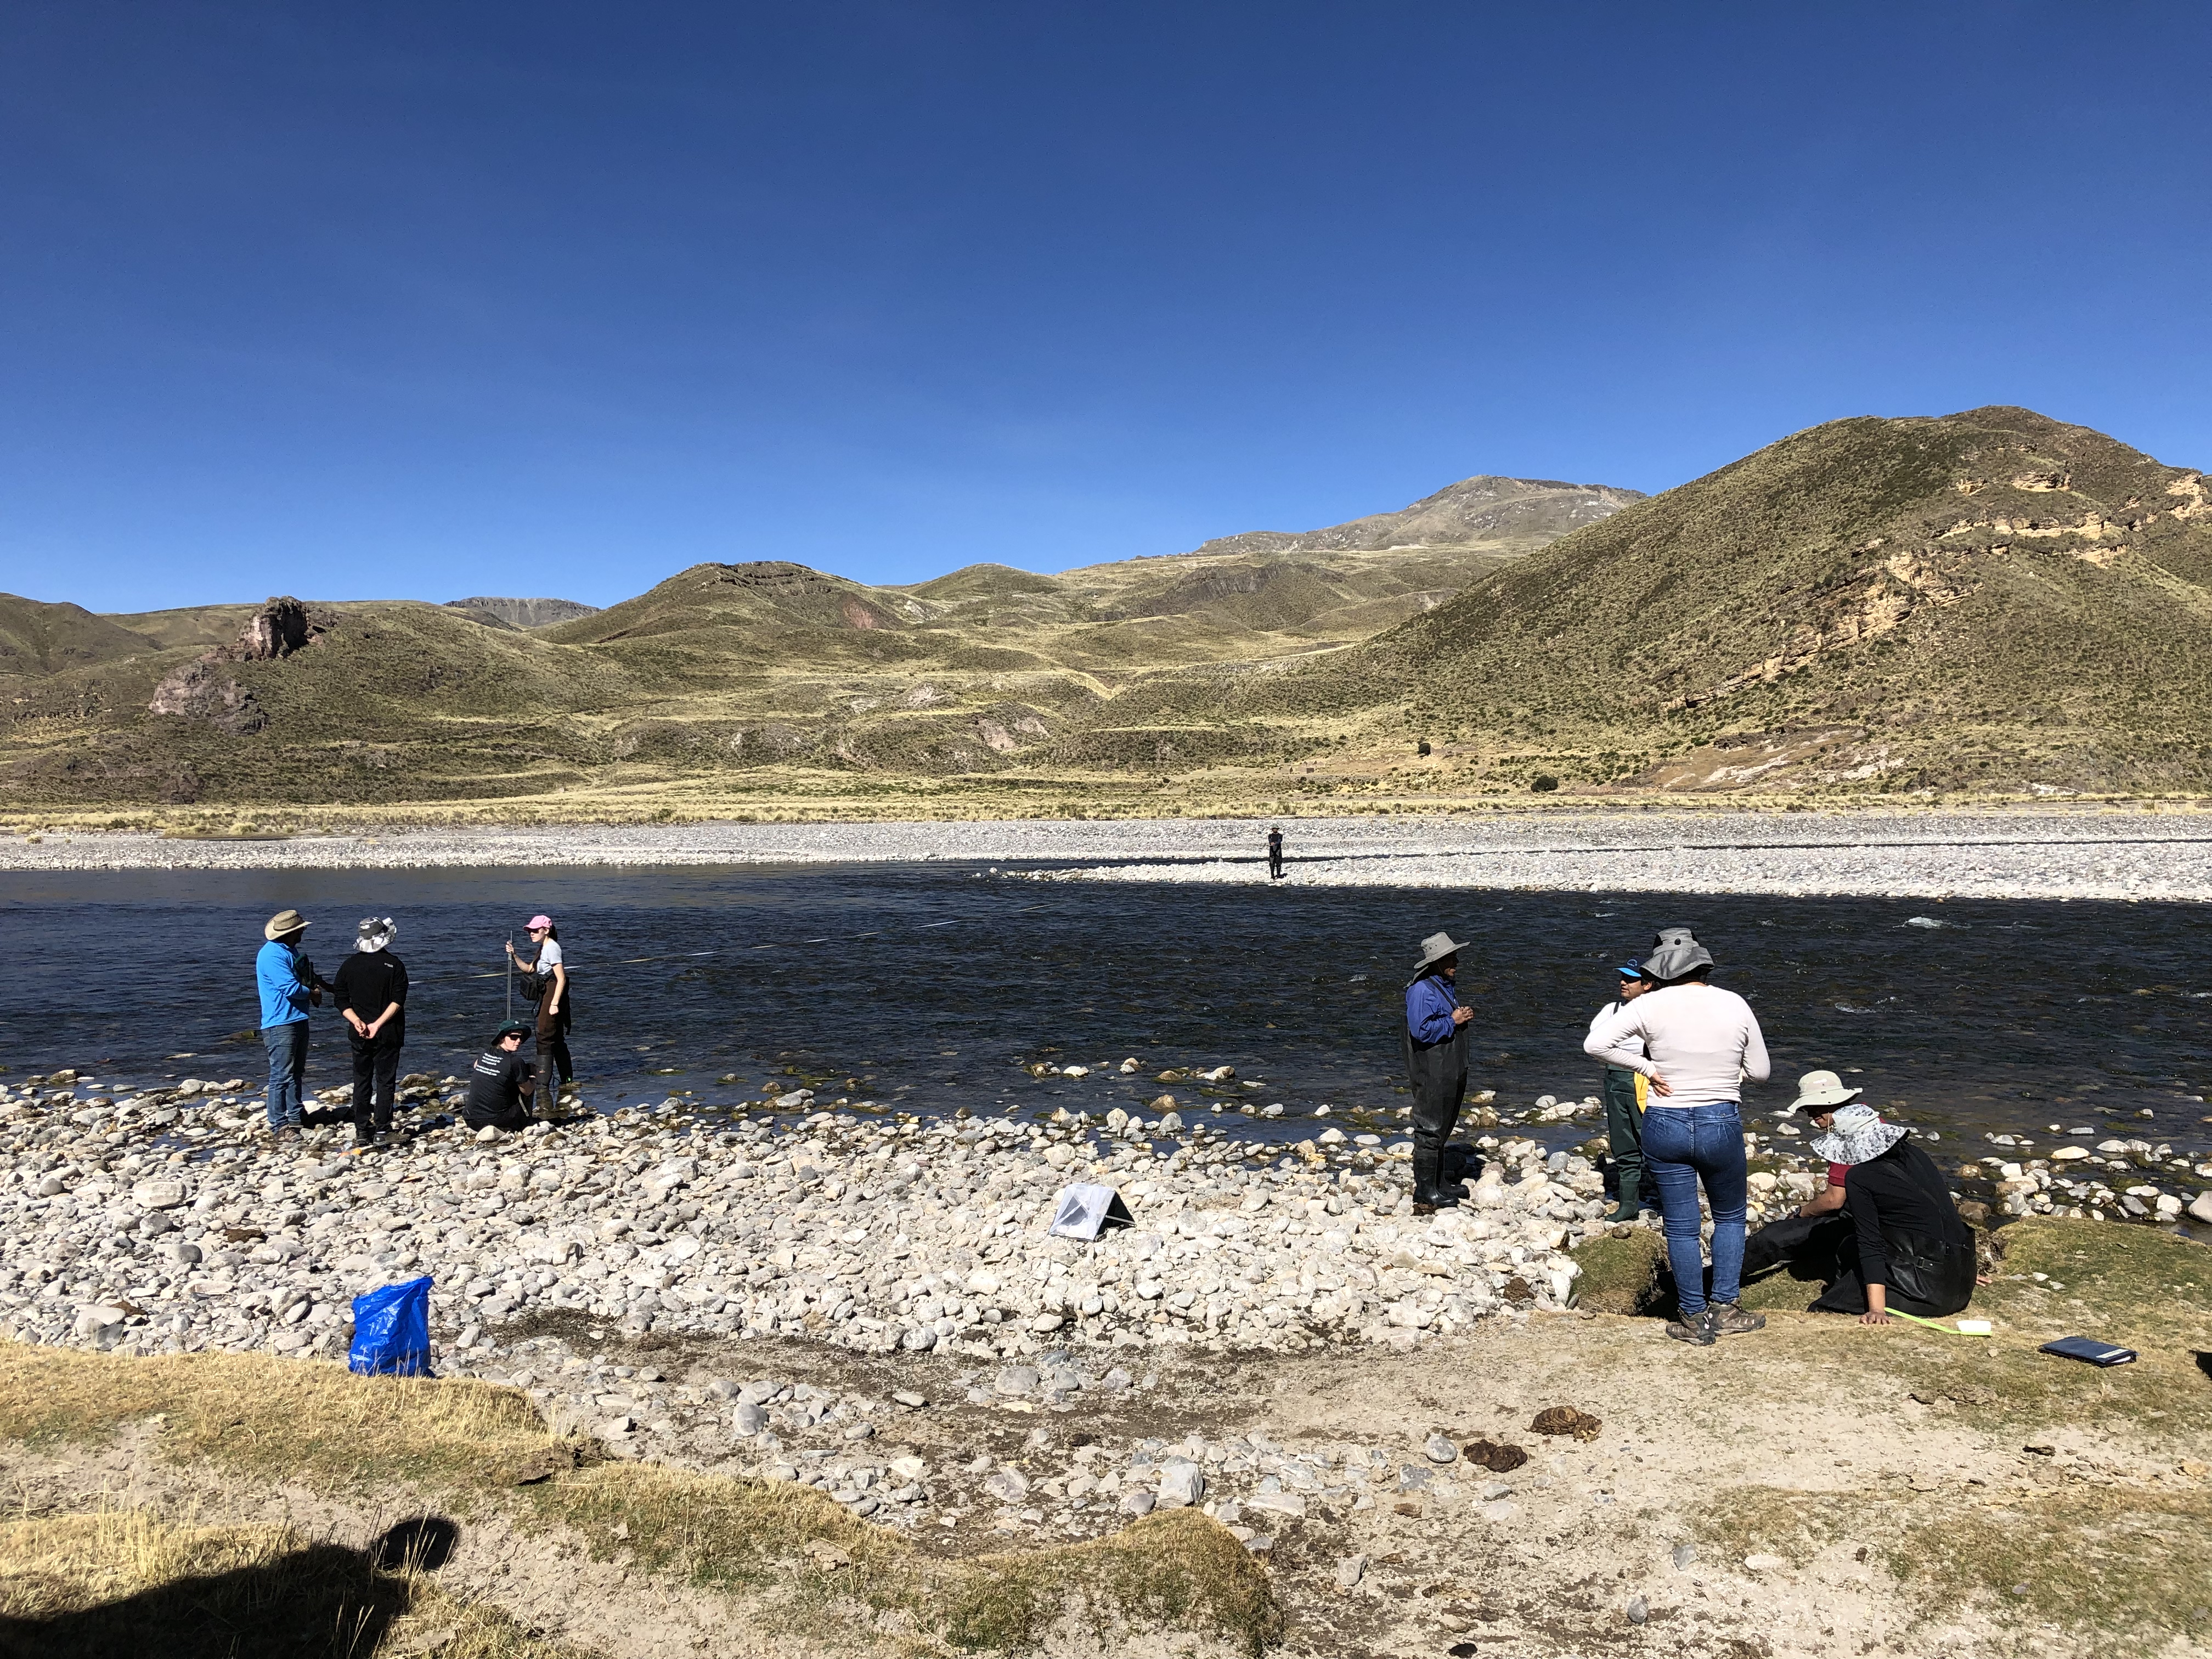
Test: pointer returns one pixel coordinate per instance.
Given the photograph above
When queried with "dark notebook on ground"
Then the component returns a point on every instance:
(2097, 1353)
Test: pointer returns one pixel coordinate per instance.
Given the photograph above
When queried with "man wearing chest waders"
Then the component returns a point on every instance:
(1436, 1064)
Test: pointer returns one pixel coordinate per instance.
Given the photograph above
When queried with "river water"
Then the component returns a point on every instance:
(926, 986)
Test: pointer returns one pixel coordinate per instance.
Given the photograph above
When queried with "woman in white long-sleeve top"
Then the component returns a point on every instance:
(1699, 1044)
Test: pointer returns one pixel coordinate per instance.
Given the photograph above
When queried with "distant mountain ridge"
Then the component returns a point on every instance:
(524, 613)
(1478, 510)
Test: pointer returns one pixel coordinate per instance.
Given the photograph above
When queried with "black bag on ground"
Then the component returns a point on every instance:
(1929, 1277)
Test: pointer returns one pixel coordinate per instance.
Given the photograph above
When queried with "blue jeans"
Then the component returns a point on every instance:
(1683, 1144)
(288, 1061)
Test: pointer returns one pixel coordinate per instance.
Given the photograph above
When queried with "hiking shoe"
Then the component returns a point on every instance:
(1729, 1318)
(1702, 1330)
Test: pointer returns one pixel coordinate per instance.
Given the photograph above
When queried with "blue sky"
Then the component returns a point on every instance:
(426, 301)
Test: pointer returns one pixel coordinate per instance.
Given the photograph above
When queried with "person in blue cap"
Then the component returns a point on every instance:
(1623, 1107)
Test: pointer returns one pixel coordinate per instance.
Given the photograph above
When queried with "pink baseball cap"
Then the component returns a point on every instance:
(540, 921)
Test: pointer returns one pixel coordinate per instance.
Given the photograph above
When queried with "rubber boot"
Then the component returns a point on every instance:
(1428, 1167)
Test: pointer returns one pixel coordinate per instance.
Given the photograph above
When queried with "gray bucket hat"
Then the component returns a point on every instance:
(1435, 948)
(1674, 953)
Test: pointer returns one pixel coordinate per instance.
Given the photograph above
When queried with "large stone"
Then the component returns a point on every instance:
(2200, 1208)
(749, 1419)
(1008, 1485)
(1182, 1483)
(158, 1193)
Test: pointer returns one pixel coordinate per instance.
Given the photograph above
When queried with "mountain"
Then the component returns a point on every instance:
(1474, 512)
(523, 613)
(40, 639)
(1989, 601)
(724, 677)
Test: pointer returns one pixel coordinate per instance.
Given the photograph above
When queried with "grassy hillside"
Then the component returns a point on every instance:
(1990, 603)
(1985, 601)
(723, 678)
(40, 639)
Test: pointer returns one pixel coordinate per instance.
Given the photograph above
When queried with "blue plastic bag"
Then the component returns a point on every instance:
(392, 1331)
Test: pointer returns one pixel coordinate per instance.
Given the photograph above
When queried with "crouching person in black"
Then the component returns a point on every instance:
(1884, 1234)
(501, 1083)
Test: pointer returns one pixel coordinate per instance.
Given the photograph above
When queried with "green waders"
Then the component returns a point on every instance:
(1624, 1133)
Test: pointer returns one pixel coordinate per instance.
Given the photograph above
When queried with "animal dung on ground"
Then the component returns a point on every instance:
(1565, 1419)
(1517, 1289)
(1499, 1457)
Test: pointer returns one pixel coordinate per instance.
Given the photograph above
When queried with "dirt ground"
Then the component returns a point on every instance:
(1821, 1488)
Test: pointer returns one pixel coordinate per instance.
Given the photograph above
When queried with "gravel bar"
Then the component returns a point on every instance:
(2121, 854)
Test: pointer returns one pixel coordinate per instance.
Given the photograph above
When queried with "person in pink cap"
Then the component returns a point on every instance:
(548, 971)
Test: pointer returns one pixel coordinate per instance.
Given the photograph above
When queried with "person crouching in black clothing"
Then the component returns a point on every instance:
(1886, 1234)
(502, 1085)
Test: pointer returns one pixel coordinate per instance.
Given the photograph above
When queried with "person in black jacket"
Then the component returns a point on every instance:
(371, 987)
(503, 1084)
(1895, 1240)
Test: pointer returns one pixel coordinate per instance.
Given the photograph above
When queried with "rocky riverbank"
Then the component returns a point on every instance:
(1931, 853)
(814, 1292)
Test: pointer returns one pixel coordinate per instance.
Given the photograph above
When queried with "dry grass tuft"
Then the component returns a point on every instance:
(291, 1419)
(817, 1566)
(91, 1586)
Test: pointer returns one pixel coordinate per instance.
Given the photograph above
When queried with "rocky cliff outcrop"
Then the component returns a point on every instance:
(201, 689)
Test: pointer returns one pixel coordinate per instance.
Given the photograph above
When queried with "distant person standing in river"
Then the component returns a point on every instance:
(288, 986)
(1275, 854)
(1695, 1044)
(372, 993)
(1623, 1107)
(546, 977)
(1435, 1037)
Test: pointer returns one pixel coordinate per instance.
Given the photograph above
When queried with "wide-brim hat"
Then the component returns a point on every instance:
(1821, 1090)
(518, 1028)
(284, 922)
(1674, 952)
(1858, 1136)
(1435, 948)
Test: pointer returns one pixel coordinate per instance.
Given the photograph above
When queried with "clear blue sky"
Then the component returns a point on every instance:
(358, 300)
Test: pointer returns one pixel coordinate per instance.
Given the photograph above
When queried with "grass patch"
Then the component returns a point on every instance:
(1624, 1275)
(94, 1585)
(2116, 1565)
(283, 1420)
(815, 1564)
(799, 1561)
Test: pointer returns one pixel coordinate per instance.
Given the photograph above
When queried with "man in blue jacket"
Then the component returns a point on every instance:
(288, 986)
(1436, 1064)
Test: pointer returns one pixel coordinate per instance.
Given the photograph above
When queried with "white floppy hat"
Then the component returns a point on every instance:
(1821, 1090)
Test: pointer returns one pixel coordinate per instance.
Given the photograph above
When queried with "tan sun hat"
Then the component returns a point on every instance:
(1822, 1091)
(1435, 948)
(284, 922)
